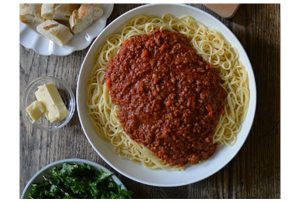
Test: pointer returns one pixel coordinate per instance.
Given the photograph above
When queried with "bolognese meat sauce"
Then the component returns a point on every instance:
(169, 98)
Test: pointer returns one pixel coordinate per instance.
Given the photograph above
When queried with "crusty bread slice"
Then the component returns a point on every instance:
(58, 11)
(84, 17)
(31, 14)
(47, 11)
(56, 32)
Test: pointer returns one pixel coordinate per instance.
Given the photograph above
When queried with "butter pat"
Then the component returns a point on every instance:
(35, 110)
(55, 108)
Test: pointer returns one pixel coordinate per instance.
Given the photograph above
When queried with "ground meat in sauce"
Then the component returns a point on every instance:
(169, 98)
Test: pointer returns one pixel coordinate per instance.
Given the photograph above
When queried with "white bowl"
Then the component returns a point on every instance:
(139, 173)
(38, 177)
(31, 39)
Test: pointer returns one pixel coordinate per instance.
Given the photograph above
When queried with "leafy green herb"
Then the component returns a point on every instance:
(77, 181)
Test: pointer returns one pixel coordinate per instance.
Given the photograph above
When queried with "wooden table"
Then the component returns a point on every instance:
(253, 173)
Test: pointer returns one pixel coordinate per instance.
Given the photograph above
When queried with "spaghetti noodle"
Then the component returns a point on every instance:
(209, 44)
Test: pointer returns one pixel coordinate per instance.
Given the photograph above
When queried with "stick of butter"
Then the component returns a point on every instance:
(35, 110)
(55, 107)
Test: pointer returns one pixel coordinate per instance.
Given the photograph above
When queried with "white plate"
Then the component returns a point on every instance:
(31, 39)
(138, 172)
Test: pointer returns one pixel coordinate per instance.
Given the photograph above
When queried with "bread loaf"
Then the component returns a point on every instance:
(58, 11)
(31, 14)
(84, 17)
(56, 32)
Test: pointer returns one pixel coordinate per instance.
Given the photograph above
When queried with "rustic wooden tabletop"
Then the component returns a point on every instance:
(253, 173)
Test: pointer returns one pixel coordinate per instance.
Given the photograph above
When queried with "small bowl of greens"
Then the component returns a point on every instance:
(75, 178)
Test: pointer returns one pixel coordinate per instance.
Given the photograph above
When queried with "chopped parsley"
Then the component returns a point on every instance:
(77, 181)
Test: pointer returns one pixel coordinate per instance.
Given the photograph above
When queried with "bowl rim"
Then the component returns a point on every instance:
(26, 94)
(70, 160)
(250, 112)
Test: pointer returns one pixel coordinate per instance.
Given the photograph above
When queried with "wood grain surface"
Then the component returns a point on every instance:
(253, 173)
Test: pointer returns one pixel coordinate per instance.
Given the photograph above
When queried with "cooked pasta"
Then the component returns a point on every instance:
(208, 43)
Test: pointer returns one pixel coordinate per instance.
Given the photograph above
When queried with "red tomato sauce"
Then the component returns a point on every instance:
(170, 100)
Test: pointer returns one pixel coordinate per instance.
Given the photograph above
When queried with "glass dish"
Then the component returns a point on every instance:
(66, 94)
